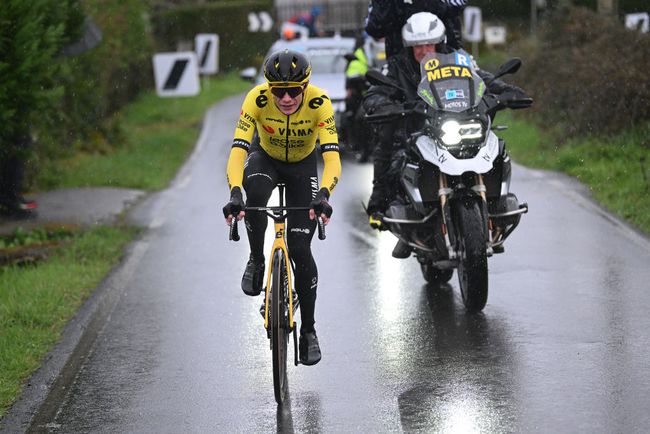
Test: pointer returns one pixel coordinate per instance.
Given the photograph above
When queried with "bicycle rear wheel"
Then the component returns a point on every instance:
(279, 325)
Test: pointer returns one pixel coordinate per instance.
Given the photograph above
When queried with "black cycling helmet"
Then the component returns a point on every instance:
(287, 67)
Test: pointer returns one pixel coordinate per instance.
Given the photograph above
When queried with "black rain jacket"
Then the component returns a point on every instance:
(387, 17)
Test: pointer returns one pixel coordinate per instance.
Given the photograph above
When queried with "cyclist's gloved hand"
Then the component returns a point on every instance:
(320, 205)
(375, 221)
(236, 204)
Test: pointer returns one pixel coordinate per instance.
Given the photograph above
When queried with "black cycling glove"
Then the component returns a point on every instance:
(236, 203)
(320, 205)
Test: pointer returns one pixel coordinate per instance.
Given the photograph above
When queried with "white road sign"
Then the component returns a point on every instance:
(206, 46)
(176, 74)
(639, 21)
(259, 22)
(472, 24)
(495, 35)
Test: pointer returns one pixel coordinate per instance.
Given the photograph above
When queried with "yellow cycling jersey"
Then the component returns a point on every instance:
(288, 138)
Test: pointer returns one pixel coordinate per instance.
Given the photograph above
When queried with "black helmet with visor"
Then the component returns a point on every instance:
(287, 71)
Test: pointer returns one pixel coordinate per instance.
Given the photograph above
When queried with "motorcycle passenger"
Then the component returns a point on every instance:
(288, 114)
(423, 34)
(387, 17)
(354, 125)
(355, 76)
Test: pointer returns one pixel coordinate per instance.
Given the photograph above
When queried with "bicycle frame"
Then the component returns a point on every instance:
(279, 215)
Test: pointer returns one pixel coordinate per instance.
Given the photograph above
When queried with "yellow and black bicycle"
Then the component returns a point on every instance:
(280, 298)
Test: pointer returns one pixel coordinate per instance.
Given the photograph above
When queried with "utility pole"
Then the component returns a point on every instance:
(608, 7)
(533, 17)
(535, 6)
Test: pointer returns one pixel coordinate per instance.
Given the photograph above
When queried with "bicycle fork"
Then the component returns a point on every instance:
(279, 244)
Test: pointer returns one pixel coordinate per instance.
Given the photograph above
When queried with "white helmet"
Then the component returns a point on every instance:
(423, 28)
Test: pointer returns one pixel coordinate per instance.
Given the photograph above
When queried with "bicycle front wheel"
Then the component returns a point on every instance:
(279, 324)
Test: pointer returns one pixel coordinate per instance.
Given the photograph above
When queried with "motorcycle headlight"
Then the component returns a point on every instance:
(454, 132)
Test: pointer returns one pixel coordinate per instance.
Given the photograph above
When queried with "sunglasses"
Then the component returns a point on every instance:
(293, 91)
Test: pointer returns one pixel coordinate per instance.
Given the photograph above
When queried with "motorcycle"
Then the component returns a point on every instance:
(452, 206)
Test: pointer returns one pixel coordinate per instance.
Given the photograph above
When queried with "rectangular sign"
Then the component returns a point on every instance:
(495, 35)
(639, 21)
(176, 74)
(472, 24)
(206, 46)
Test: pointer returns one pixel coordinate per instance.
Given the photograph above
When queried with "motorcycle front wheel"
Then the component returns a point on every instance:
(472, 266)
(434, 275)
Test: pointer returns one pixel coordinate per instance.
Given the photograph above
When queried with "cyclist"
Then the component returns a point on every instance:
(289, 115)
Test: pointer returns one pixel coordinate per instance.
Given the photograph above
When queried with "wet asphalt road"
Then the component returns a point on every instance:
(562, 346)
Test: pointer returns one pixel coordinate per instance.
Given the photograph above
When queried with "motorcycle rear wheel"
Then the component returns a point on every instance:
(472, 267)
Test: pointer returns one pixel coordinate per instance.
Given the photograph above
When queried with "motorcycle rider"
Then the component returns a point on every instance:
(387, 17)
(289, 114)
(423, 34)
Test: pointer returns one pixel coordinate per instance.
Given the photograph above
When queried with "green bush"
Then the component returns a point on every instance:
(99, 81)
(624, 6)
(31, 35)
(507, 9)
(500, 9)
(62, 102)
(588, 74)
(238, 47)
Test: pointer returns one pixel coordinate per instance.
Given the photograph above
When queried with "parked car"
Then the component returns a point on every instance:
(327, 56)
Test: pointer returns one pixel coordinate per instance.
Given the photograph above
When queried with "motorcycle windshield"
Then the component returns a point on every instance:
(450, 82)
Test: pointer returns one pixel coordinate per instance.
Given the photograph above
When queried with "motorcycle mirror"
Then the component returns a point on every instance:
(377, 78)
(510, 67)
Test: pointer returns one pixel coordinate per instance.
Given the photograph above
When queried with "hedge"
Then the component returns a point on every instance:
(507, 9)
(238, 47)
(63, 102)
(100, 81)
(588, 73)
(31, 35)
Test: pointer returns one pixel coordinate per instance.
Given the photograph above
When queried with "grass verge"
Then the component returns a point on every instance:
(616, 169)
(158, 135)
(36, 301)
